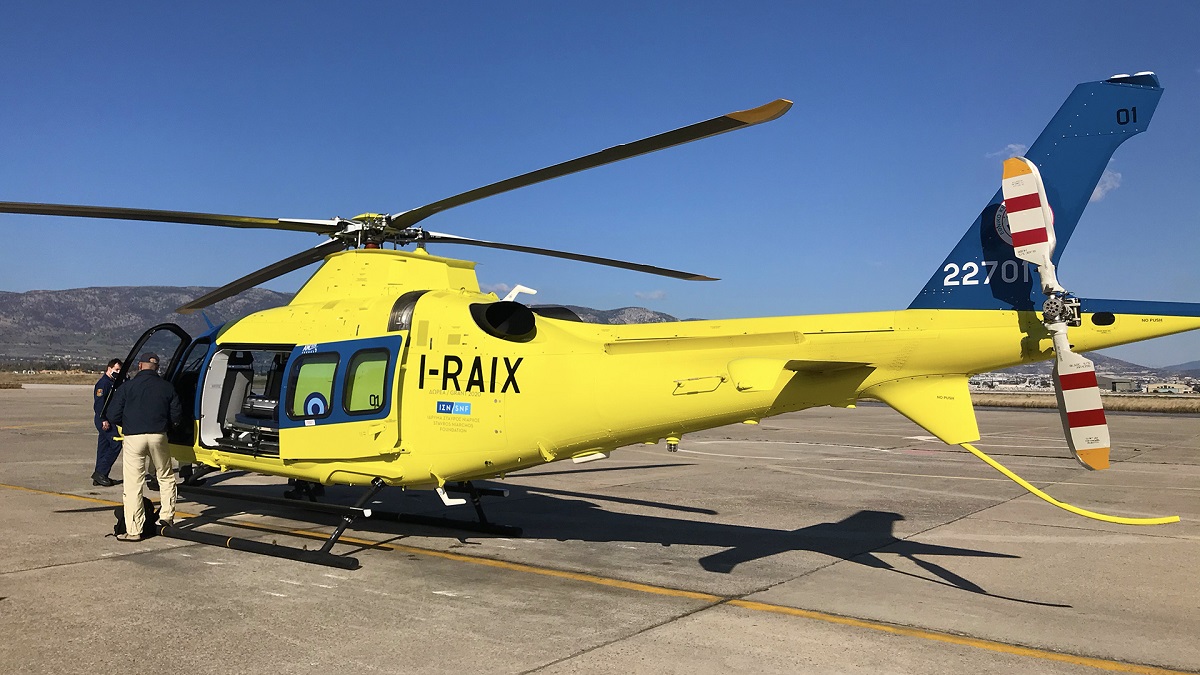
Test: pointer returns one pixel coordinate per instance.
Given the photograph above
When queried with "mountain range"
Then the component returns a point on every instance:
(1107, 365)
(83, 327)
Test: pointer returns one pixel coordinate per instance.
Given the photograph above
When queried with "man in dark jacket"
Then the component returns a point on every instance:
(145, 407)
(107, 447)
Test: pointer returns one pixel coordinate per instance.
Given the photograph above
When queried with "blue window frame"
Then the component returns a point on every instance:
(366, 381)
(335, 382)
(310, 386)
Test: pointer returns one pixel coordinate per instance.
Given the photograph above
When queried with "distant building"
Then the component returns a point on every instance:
(1168, 388)
(1116, 383)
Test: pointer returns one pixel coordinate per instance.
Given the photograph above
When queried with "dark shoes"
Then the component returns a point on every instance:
(105, 481)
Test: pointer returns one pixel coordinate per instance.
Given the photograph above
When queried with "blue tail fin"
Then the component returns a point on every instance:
(982, 272)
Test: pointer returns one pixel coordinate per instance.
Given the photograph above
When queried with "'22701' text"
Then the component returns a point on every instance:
(974, 274)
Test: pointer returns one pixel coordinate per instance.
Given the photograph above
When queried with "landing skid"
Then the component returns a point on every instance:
(348, 513)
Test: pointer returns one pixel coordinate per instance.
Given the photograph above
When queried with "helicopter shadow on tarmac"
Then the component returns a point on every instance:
(555, 514)
(858, 538)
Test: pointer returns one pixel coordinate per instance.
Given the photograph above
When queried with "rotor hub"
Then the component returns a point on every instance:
(1061, 309)
(366, 230)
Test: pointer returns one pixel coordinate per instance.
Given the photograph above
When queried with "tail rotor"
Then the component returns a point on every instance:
(1031, 223)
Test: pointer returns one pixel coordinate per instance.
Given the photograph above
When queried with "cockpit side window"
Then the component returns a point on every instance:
(311, 386)
(366, 382)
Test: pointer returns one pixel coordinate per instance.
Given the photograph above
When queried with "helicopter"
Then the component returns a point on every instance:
(391, 367)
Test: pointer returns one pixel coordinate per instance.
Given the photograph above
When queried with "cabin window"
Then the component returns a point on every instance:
(366, 381)
(311, 386)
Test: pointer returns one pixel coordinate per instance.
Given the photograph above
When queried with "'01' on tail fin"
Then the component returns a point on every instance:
(982, 272)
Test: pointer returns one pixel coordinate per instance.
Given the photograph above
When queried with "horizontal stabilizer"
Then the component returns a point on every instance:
(940, 404)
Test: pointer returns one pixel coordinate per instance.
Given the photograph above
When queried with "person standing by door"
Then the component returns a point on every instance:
(107, 446)
(146, 406)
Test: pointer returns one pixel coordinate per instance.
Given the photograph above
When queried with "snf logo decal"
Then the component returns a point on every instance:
(453, 408)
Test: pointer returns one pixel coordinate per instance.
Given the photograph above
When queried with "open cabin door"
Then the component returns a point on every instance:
(340, 400)
(179, 361)
(166, 341)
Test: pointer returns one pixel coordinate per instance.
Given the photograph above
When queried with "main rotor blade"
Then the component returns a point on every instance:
(154, 215)
(289, 264)
(712, 127)
(439, 238)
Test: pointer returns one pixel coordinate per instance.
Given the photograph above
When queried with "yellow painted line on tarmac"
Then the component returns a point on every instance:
(85, 498)
(563, 574)
(1102, 664)
(39, 425)
(919, 633)
(60, 494)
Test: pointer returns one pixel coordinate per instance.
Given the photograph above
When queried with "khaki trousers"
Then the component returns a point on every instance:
(137, 449)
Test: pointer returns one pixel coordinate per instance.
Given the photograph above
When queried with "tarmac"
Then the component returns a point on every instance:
(828, 541)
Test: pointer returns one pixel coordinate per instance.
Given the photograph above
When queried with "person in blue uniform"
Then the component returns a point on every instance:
(107, 447)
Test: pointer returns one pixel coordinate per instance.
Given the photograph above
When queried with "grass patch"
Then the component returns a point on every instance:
(11, 380)
(1164, 403)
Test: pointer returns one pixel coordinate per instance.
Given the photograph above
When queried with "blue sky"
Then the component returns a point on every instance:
(315, 110)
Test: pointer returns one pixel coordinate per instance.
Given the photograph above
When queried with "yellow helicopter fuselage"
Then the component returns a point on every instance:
(439, 395)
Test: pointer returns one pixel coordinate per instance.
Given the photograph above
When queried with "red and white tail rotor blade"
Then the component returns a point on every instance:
(1031, 223)
(1079, 403)
(1030, 220)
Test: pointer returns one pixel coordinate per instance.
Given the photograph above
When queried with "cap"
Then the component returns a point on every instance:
(148, 357)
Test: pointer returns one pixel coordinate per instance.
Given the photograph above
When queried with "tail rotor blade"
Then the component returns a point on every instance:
(1031, 223)
(1030, 220)
(1079, 404)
